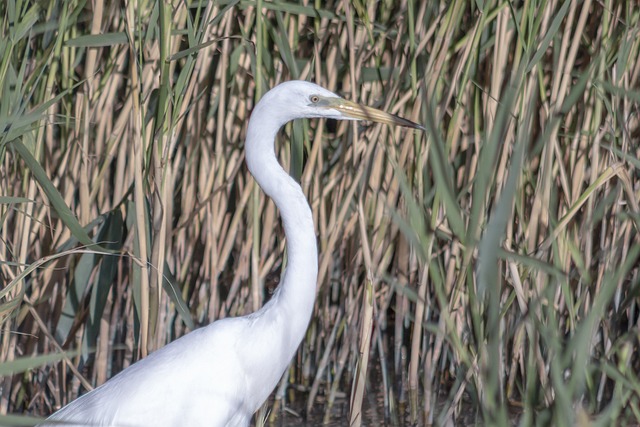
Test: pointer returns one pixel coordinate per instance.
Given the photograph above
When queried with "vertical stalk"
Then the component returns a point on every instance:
(163, 128)
(255, 248)
(138, 187)
(366, 329)
(90, 63)
(416, 342)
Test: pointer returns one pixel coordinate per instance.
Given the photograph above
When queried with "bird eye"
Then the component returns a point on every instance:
(314, 99)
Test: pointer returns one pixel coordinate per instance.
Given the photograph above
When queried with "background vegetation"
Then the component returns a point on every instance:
(500, 247)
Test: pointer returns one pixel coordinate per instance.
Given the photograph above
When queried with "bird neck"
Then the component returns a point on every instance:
(295, 296)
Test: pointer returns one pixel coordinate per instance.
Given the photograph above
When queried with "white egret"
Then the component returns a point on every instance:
(221, 374)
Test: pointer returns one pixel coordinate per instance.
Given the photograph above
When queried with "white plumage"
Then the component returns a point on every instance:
(221, 374)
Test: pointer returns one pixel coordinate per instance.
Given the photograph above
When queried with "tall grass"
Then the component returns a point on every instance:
(483, 272)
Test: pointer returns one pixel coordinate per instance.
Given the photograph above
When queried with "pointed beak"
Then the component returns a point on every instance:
(356, 111)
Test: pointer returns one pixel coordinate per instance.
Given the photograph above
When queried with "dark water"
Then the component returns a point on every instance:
(375, 414)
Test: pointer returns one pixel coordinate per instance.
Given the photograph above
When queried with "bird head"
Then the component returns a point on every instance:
(301, 99)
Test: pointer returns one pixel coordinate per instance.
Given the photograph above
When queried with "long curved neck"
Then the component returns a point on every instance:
(296, 294)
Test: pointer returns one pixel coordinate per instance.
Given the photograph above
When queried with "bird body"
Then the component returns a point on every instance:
(221, 374)
(192, 381)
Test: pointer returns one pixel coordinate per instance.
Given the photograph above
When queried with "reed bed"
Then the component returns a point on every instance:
(483, 272)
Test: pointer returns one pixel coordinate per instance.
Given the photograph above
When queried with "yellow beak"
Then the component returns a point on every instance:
(362, 112)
